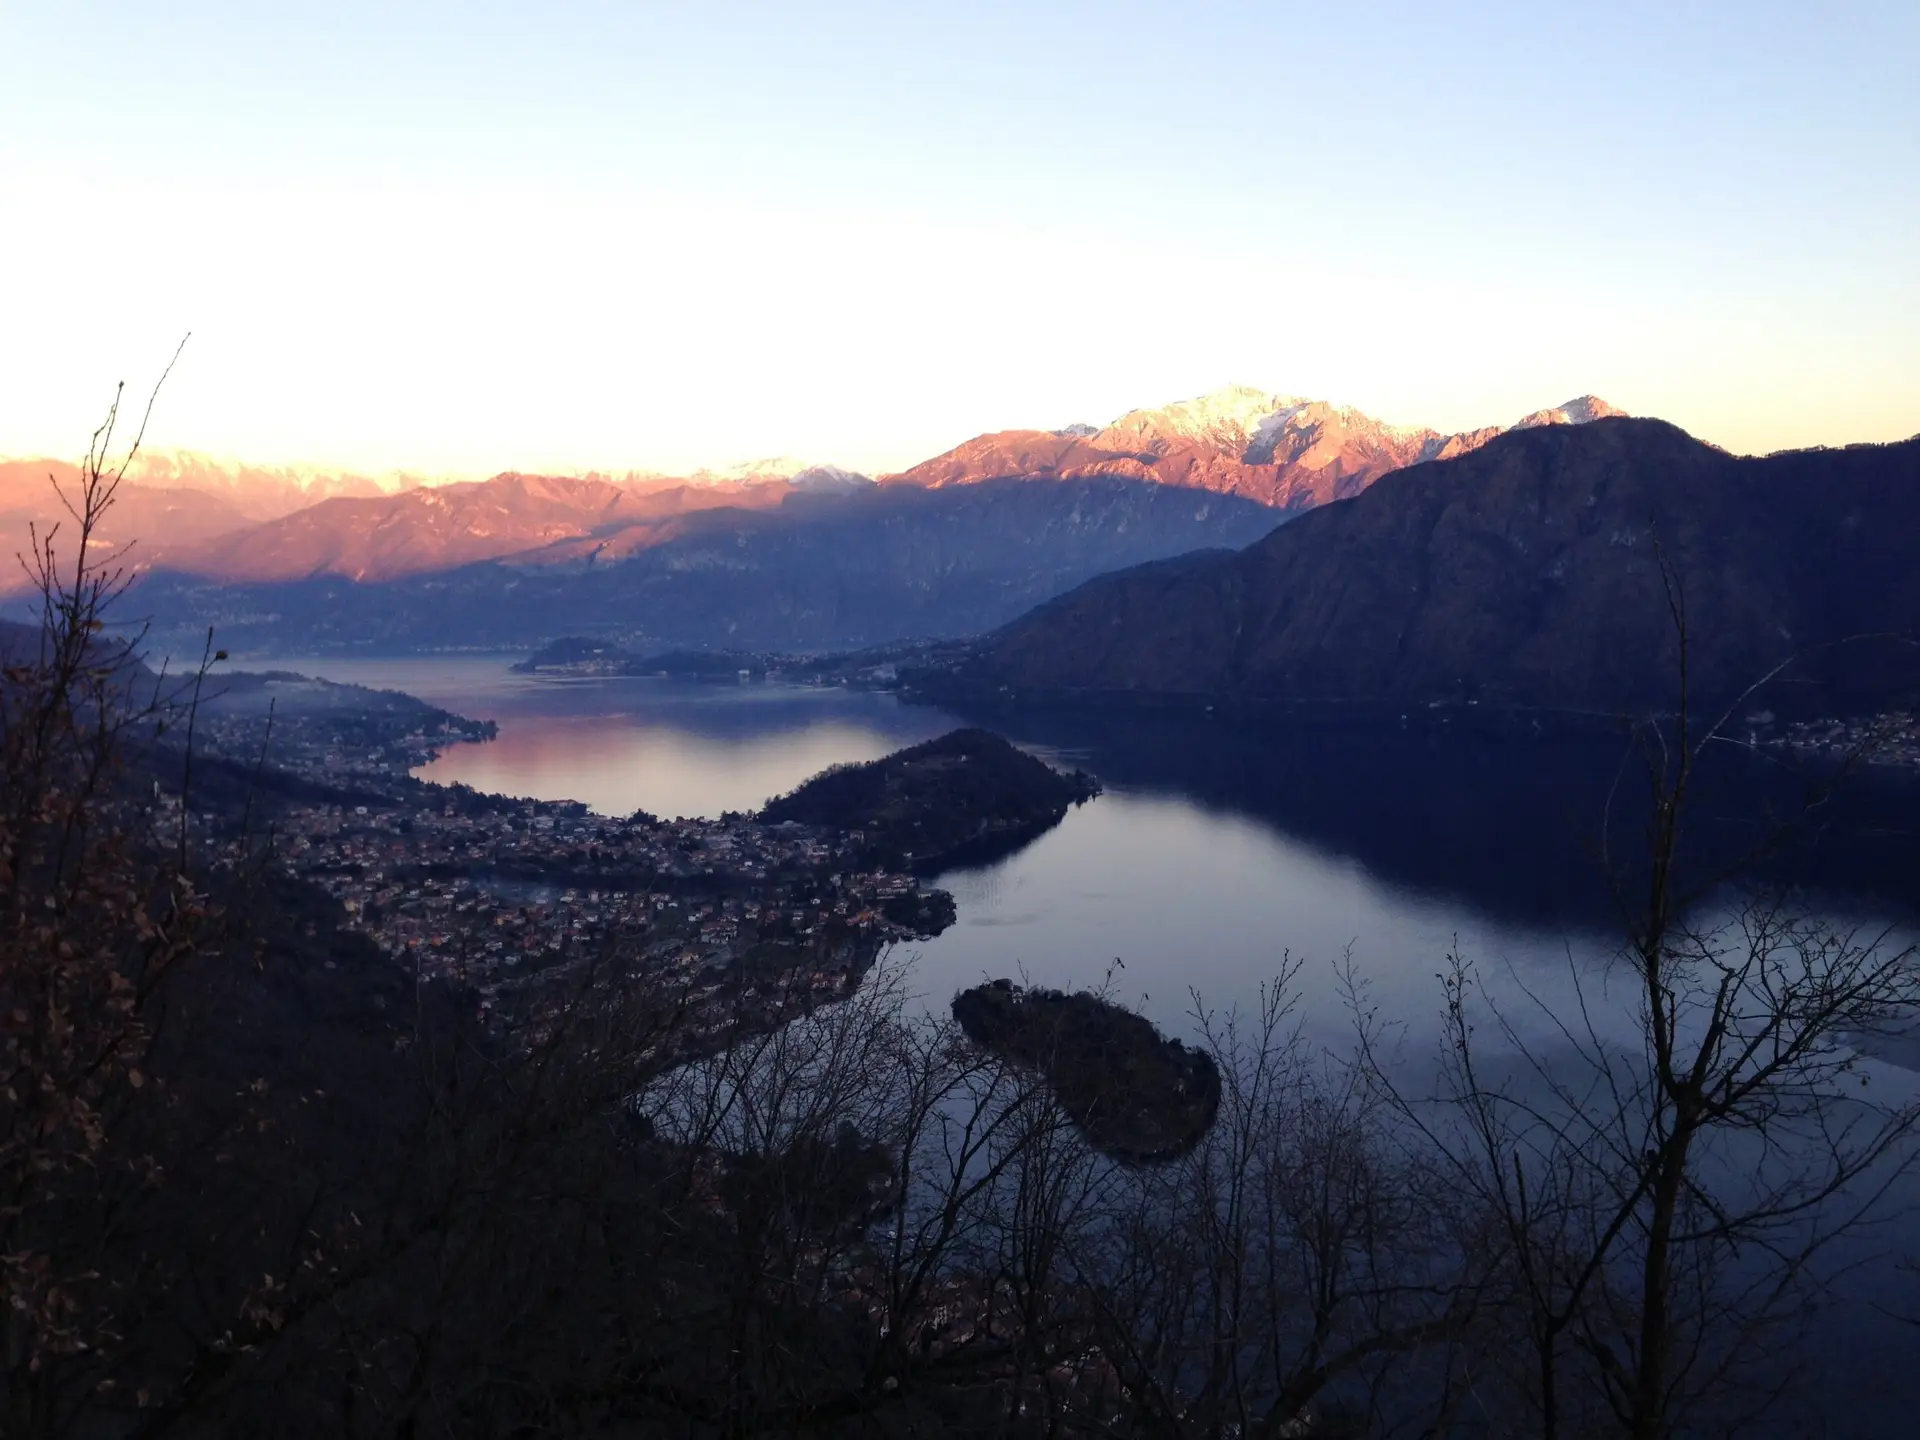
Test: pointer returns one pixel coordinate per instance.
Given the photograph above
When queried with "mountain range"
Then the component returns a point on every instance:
(446, 526)
(815, 556)
(1283, 451)
(817, 572)
(1537, 570)
(167, 501)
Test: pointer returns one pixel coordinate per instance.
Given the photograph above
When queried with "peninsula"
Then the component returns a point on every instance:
(964, 798)
(513, 903)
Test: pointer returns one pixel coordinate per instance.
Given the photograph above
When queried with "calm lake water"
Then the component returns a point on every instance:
(1187, 889)
(1216, 850)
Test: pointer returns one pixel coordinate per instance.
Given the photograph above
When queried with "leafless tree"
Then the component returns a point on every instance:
(94, 920)
(1277, 1279)
(1654, 1184)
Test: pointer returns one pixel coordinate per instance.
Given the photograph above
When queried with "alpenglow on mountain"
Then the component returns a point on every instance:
(1538, 572)
(1286, 452)
(817, 557)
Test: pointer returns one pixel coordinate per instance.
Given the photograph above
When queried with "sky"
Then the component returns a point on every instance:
(465, 238)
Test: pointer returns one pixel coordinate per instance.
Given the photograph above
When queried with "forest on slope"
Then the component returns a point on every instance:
(1549, 569)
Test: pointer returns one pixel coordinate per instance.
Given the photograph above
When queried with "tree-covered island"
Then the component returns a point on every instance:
(1138, 1096)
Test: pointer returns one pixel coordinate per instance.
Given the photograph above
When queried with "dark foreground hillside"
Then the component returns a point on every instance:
(1528, 573)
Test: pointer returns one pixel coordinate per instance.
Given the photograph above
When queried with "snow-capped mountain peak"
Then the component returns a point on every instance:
(1282, 450)
(771, 467)
(1225, 419)
(1580, 411)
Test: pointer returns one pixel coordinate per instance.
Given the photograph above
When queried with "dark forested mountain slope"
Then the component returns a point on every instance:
(1528, 572)
(819, 571)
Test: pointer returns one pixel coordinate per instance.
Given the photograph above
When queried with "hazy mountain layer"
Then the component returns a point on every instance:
(819, 571)
(447, 526)
(142, 521)
(254, 492)
(291, 522)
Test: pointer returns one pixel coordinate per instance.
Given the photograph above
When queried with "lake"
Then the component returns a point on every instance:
(1190, 880)
(1215, 850)
(1218, 849)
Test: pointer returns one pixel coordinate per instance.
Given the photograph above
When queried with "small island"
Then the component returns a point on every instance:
(1139, 1096)
(965, 798)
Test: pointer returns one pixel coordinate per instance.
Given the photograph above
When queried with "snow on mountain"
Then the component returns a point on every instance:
(259, 524)
(1282, 450)
(1582, 411)
(771, 467)
(262, 492)
(1224, 420)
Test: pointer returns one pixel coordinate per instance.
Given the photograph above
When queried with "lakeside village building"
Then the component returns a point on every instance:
(362, 858)
(498, 893)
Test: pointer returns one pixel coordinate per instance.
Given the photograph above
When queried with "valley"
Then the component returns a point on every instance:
(679, 760)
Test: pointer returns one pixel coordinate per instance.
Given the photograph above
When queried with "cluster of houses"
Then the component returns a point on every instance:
(500, 895)
(1889, 739)
(493, 898)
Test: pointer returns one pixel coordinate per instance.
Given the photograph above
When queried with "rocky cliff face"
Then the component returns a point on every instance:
(1281, 450)
(1526, 572)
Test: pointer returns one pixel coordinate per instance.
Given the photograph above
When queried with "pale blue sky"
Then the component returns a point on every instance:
(470, 237)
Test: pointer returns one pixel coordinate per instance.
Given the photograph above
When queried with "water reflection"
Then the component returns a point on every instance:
(1218, 849)
(1512, 827)
(1192, 901)
(620, 745)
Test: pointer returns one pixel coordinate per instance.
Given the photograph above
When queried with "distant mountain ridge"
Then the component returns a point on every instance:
(816, 572)
(174, 504)
(143, 518)
(447, 526)
(250, 526)
(169, 501)
(1084, 497)
(255, 492)
(1281, 450)
(1526, 572)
